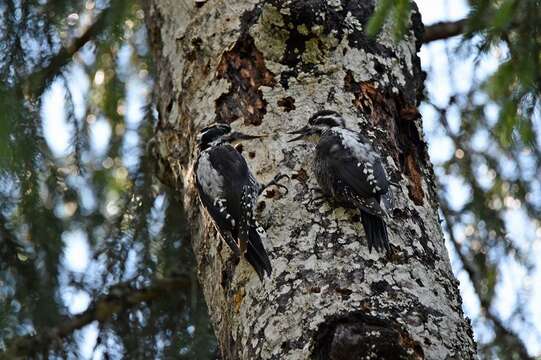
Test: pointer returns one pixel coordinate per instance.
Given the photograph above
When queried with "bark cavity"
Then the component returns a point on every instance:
(413, 151)
(287, 103)
(359, 336)
(244, 66)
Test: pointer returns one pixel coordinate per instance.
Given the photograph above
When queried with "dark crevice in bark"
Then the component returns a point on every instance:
(200, 3)
(244, 66)
(413, 151)
(413, 172)
(287, 103)
(285, 76)
(416, 81)
(379, 287)
(428, 256)
(360, 336)
(228, 272)
(295, 47)
(392, 114)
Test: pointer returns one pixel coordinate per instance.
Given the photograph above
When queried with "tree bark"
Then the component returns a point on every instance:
(265, 66)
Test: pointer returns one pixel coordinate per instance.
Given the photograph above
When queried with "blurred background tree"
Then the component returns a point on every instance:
(95, 262)
(84, 225)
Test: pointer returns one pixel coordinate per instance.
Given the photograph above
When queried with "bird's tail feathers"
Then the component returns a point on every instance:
(255, 251)
(376, 231)
(230, 241)
(257, 256)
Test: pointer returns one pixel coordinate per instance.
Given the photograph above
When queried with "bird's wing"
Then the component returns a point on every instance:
(363, 180)
(217, 172)
(357, 164)
(225, 225)
(232, 208)
(236, 175)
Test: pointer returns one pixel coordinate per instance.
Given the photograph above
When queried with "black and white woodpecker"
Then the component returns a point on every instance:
(229, 191)
(349, 170)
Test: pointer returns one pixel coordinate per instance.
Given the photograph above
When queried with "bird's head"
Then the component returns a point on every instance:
(317, 124)
(220, 133)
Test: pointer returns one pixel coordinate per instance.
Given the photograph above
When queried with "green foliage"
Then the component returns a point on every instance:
(106, 199)
(511, 27)
(396, 10)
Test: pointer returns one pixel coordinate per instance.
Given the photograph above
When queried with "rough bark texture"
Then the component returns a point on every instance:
(265, 67)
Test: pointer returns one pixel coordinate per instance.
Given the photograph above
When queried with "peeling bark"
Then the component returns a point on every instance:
(245, 69)
(265, 66)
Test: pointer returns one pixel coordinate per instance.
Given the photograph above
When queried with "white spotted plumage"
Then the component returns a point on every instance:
(228, 190)
(350, 140)
(348, 168)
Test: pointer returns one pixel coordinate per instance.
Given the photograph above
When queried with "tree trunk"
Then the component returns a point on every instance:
(265, 67)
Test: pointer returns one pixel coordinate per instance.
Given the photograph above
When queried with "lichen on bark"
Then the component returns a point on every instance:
(266, 66)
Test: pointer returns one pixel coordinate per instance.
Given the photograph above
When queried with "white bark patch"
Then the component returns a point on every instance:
(362, 65)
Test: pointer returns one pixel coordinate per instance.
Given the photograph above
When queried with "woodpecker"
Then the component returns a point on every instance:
(349, 170)
(228, 190)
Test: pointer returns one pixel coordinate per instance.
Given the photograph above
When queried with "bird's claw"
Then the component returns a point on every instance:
(275, 182)
(318, 201)
(316, 190)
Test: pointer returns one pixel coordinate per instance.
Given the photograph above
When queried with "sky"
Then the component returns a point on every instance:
(78, 252)
(441, 84)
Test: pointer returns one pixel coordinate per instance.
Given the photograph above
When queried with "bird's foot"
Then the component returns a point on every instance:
(275, 182)
(317, 201)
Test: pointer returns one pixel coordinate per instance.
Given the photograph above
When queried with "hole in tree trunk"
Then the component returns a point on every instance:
(358, 336)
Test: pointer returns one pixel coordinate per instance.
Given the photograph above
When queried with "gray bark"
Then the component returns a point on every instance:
(265, 67)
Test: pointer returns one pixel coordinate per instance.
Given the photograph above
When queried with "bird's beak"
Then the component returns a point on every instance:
(236, 135)
(303, 132)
